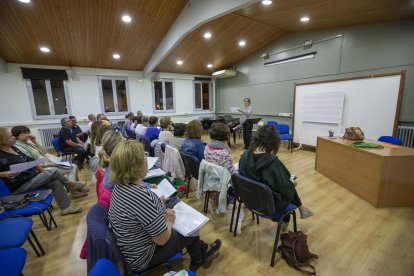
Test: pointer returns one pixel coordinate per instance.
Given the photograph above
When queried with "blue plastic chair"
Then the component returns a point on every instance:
(104, 267)
(262, 204)
(14, 233)
(58, 149)
(12, 261)
(285, 136)
(391, 140)
(33, 208)
(272, 123)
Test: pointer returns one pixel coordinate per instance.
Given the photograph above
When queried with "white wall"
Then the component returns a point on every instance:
(84, 96)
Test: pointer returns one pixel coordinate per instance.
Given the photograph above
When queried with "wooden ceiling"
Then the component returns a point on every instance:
(85, 33)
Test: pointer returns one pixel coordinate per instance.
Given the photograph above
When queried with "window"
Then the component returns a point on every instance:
(114, 94)
(163, 95)
(203, 95)
(49, 98)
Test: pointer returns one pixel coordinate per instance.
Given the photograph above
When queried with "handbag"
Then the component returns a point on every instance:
(354, 133)
(11, 202)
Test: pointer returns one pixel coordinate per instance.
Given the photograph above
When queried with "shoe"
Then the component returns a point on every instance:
(70, 210)
(207, 257)
(76, 186)
(83, 190)
(74, 194)
(285, 226)
(305, 213)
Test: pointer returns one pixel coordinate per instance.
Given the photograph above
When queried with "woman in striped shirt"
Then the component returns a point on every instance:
(139, 220)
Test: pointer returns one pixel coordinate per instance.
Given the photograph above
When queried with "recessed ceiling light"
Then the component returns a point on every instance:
(24, 1)
(126, 18)
(304, 19)
(242, 43)
(209, 65)
(116, 56)
(44, 49)
(207, 35)
(266, 2)
(179, 62)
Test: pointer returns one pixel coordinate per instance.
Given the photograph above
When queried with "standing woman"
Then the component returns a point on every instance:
(247, 126)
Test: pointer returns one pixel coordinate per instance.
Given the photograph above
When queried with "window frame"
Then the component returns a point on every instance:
(49, 99)
(163, 81)
(211, 95)
(113, 79)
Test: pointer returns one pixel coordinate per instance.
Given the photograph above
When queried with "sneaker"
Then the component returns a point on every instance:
(74, 194)
(70, 210)
(305, 213)
(76, 186)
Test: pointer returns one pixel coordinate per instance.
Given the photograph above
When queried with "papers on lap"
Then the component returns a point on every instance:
(164, 188)
(187, 219)
(154, 173)
(24, 166)
(151, 161)
(64, 165)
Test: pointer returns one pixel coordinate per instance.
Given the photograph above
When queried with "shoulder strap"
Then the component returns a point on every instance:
(299, 265)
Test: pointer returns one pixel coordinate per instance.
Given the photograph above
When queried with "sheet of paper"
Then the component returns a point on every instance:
(151, 161)
(52, 158)
(164, 188)
(234, 109)
(154, 173)
(64, 164)
(24, 166)
(187, 219)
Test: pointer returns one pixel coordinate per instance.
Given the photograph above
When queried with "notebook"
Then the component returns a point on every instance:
(187, 219)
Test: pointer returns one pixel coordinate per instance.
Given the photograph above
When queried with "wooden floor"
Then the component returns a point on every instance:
(350, 236)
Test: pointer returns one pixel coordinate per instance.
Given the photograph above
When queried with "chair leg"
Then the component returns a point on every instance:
(188, 186)
(206, 199)
(279, 226)
(237, 218)
(295, 227)
(257, 218)
(37, 242)
(232, 213)
(44, 221)
(33, 246)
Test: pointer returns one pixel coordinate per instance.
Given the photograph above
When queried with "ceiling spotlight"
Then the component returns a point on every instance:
(209, 65)
(44, 49)
(126, 18)
(116, 56)
(207, 35)
(304, 19)
(266, 2)
(179, 62)
(24, 1)
(242, 43)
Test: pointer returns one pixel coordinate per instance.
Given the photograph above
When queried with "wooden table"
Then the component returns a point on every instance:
(383, 177)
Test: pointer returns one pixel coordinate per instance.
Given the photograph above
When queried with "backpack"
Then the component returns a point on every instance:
(354, 133)
(295, 251)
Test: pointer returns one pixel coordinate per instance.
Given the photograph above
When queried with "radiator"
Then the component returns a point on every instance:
(47, 135)
(406, 134)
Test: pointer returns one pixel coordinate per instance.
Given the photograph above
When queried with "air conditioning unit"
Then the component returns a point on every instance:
(224, 74)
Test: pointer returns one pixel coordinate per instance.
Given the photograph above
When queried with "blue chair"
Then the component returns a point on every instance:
(104, 267)
(192, 166)
(58, 149)
(12, 261)
(33, 208)
(262, 204)
(391, 140)
(272, 123)
(147, 144)
(131, 134)
(14, 233)
(285, 136)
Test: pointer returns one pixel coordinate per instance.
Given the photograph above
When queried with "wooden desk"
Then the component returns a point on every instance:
(383, 177)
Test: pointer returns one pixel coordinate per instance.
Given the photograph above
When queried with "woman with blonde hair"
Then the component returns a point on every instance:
(139, 219)
(193, 145)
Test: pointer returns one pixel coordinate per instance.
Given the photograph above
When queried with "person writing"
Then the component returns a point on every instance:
(244, 120)
(139, 220)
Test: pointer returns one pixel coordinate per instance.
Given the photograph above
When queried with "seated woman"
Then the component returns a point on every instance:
(142, 127)
(217, 152)
(139, 220)
(34, 178)
(152, 131)
(193, 145)
(178, 139)
(28, 144)
(260, 163)
(165, 134)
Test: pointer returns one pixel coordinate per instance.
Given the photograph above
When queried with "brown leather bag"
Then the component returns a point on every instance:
(295, 251)
(354, 133)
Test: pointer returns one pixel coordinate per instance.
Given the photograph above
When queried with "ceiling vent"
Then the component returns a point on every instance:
(224, 74)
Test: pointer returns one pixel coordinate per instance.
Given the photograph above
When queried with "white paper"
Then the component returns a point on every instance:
(52, 158)
(187, 219)
(164, 188)
(154, 173)
(24, 166)
(64, 164)
(234, 109)
(151, 161)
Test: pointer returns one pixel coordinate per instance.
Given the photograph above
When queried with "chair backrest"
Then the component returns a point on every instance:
(147, 144)
(4, 190)
(158, 148)
(272, 123)
(262, 202)
(56, 145)
(191, 164)
(283, 129)
(390, 140)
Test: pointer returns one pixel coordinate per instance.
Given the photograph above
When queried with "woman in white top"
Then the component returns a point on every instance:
(165, 135)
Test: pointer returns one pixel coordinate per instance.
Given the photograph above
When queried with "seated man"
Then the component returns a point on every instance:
(82, 135)
(70, 143)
